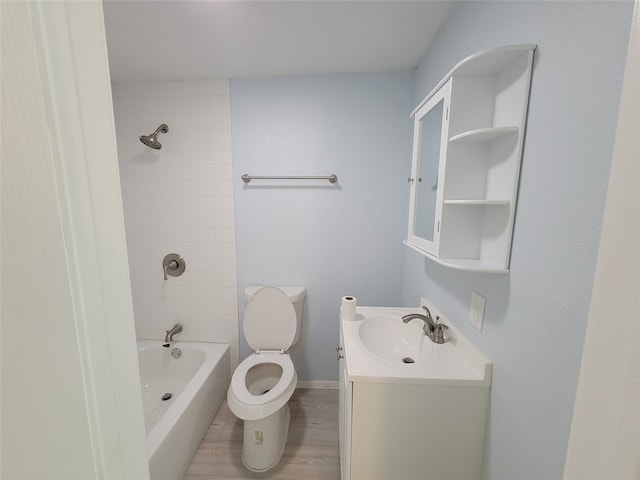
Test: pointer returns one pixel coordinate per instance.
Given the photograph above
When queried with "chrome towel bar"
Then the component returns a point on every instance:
(332, 178)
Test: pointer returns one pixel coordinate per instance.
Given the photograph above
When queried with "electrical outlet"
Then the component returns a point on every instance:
(476, 313)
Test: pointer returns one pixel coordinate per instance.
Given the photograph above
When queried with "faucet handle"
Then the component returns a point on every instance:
(440, 327)
(438, 331)
(427, 311)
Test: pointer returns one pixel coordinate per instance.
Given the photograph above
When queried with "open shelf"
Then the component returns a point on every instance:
(484, 134)
(468, 265)
(481, 203)
(472, 265)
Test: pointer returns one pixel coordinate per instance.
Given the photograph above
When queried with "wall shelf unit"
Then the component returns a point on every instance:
(467, 150)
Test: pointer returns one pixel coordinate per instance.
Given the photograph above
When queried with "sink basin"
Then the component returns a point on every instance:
(388, 338)
(379, 347)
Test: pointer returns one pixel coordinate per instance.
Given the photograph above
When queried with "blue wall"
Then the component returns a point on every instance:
(536, 316)
(334, 240)
(347, 239)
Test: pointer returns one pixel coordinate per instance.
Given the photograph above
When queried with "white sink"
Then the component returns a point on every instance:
(379, 347)
(388, 338)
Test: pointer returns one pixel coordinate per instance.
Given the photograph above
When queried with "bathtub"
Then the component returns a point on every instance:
(197, 383)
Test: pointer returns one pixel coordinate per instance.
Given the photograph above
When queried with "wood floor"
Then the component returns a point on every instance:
(312, 451)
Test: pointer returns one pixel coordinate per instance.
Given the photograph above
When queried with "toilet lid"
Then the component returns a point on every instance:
(270, 321)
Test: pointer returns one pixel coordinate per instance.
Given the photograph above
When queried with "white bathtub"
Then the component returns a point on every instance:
(197, 382)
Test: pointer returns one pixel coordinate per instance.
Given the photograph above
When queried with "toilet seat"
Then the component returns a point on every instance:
(269, 321)
(248, 406)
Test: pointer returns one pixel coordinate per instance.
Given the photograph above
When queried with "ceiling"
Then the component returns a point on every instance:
(187, 39)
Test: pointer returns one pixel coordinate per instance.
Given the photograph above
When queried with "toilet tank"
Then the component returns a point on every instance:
(295, 294)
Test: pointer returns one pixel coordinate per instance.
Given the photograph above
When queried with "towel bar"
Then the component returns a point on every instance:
(332, 178)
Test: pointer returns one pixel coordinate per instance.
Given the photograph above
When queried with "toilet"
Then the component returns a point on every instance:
(263, 383)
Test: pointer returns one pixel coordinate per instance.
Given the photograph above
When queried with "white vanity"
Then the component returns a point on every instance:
(467, 150)
(409, 408)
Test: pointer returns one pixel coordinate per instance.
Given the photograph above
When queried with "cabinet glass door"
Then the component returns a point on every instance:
(429, 149)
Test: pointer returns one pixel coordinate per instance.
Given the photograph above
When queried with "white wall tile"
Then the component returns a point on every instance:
(158, 249)
(172, 171)
(181, 219)
(183, 234)
(194, 105)
(223, 188)
(225, 235)
(224, 220)
(221, 138)
(199, 187)
(227, 250)
(137, 106)
(136, 152)
(179, 199)
(222, 172)
(221, 155)
(180, 88)
(152, 293)
(208, 87)
(126, 89)
(223, 204)
(225, 265)
(190, 139)
(145, 89)
(129, 123)
(220, 103)
(185, 122)
(226, 294)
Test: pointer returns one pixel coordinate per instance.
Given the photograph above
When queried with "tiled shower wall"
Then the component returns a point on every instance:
(179, 199)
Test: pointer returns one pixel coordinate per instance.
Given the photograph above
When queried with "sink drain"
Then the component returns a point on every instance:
(166, 396)
(408, 360)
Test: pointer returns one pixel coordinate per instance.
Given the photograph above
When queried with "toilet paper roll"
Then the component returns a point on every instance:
(348, 308)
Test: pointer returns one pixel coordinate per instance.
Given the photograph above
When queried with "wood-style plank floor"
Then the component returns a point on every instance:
(312, 451)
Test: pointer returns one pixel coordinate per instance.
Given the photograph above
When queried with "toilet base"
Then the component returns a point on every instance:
(264, 440)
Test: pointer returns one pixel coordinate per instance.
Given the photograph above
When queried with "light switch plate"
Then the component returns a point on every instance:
(476, 313)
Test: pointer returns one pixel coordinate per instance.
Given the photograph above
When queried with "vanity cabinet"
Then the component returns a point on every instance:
(406, 427)
(344, 416)
(467, 150)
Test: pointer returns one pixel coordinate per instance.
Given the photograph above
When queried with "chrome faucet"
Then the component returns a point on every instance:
(433, 329)
(168, 338)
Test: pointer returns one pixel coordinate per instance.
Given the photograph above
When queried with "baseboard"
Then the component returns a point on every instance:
(319, 384)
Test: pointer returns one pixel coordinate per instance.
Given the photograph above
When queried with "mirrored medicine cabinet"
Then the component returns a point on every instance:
(467, 150)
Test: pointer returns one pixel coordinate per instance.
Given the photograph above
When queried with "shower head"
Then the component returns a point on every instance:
(152, 140)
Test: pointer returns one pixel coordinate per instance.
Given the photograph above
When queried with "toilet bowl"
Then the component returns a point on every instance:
(263, 383)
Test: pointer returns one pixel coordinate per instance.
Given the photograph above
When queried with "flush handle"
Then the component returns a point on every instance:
(173, 264)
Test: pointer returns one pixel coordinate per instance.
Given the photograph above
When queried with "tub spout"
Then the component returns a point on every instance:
(168, 338)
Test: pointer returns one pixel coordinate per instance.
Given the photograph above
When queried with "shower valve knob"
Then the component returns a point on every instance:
(174, 265)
